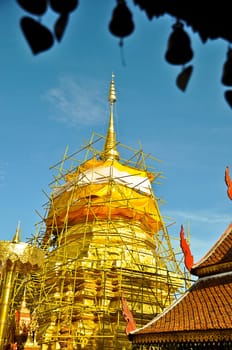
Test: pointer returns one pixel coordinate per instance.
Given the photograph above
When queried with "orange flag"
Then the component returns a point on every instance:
(188, 258)
(127, 314)
(228, 182)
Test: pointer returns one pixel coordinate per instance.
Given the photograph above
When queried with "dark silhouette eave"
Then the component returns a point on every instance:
(211, 20)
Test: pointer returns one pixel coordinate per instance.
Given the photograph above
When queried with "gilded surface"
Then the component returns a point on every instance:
(25, 256)
(105, 238)
(106, 243)
(15, 258)
(86, 275)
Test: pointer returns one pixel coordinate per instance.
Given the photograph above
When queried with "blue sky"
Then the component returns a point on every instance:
(58, 98)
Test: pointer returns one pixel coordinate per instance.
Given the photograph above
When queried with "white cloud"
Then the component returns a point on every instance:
(204, 228)
(76, 102)
(200, 216)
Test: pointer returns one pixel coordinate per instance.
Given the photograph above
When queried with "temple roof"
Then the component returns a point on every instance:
(204, 312)
(219, 257)
(206, 307)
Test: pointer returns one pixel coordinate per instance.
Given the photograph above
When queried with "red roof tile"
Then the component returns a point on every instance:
(205, 310)
(206, 306)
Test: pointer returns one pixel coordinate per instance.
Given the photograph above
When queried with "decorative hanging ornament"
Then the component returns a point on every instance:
(121, 23)
(227, 69)
(183, 77)
(38, 36)
(63, 6)
(60, 26)
(228, 97)
(179, 46)
(35, 7)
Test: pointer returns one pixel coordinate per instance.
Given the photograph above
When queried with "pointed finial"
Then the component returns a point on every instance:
(24, 298)
(110, 150)
(112, 93)
(16, 236)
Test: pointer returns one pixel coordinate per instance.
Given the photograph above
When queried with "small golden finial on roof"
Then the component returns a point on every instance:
(110, 150)
(16, 236)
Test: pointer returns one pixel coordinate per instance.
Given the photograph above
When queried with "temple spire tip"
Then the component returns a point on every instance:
(16, 238)
(112, 93)
(110, 149)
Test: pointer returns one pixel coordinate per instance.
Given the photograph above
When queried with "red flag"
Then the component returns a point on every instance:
(188, 258)
(228, 182)
(127, 314)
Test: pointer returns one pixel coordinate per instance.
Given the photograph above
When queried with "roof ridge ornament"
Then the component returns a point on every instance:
(110, 149)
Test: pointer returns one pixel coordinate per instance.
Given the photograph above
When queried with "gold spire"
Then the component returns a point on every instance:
(110, 150)
(16, 236)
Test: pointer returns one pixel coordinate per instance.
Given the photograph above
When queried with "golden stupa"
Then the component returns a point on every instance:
(109, 262)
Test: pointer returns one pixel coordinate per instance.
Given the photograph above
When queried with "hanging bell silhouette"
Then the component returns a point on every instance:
(228, 97)
(37, 35)
(227, 70)
(183, 77)
(35, 7)
(121, 24)
(179, 46)
(64, 6)
(60, 26)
